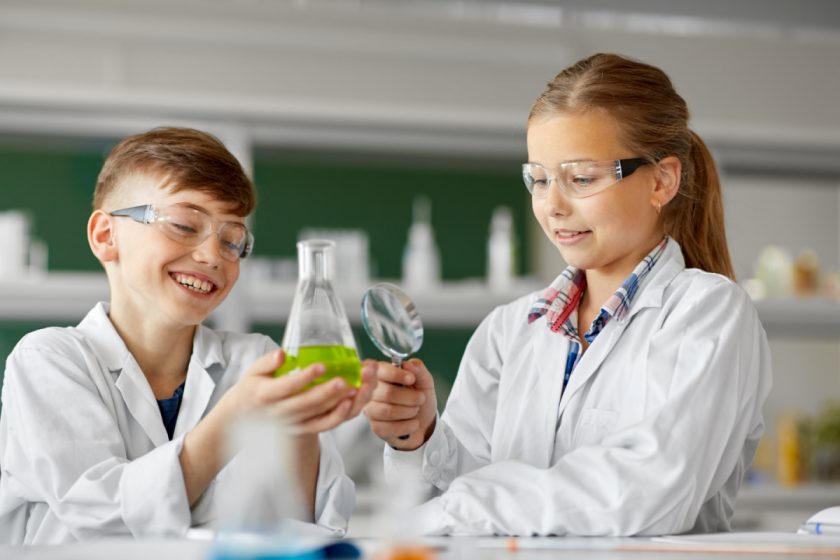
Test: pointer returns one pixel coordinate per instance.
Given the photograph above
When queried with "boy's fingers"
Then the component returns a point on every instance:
(318, 400)
(267, 363)
(326, 421)
(369, 366)
(368, 373)
(360, 400)
(291, 383)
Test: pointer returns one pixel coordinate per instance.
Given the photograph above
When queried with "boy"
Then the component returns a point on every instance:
(114, 427)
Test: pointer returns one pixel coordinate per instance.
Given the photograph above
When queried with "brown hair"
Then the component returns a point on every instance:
(653, 118)
(185, 159)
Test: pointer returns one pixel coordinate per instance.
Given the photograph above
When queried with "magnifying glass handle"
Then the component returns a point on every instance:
(396, 361)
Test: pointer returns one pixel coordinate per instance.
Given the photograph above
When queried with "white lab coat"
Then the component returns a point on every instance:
(658, 424)
(83, 450)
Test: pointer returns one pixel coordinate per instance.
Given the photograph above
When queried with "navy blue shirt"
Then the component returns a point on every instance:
(169, 409)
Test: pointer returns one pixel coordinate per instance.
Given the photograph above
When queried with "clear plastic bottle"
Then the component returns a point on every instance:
(421, 258)
(260, 511)
(318, 330)
(500, 251)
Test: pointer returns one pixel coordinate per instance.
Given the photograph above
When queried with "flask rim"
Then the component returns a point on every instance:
(316, 244)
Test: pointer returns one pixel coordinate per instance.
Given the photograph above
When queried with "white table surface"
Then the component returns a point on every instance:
(682, 548)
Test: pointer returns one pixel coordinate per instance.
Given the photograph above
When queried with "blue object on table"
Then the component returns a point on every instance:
(253, 546)
(342, 549)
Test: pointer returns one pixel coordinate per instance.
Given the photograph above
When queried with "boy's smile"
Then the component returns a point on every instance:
(197, 283)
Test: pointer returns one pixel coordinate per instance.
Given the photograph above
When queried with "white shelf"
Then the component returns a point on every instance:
(58, 296)
(770, 507)
(800, 316)
(456, 304)
(67, 296)
(810, 496)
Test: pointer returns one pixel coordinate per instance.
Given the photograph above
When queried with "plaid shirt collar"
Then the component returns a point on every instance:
(560, 300)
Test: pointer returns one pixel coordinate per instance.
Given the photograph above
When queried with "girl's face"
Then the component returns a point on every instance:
(610, 231)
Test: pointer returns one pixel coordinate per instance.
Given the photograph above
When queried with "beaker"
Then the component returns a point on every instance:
(318, 330)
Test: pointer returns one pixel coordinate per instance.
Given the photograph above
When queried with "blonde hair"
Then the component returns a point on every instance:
(653, 119)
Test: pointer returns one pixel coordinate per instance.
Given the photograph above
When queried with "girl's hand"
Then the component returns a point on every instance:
(321, 408)
(403, 403)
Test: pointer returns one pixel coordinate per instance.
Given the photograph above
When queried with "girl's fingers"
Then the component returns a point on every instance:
(397, 394)
(390, 430)
(392, 374)
(384, 412)
(423, 379)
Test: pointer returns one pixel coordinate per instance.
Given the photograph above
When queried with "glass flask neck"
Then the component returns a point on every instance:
(317, 321)
(316, 260)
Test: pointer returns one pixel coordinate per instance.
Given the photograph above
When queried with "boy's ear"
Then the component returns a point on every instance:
(667, 181)
(102, 237)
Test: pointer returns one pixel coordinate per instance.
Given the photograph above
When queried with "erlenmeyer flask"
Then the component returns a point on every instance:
(318, 330)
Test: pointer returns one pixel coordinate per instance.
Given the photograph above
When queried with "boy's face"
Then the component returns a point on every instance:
(160, 279)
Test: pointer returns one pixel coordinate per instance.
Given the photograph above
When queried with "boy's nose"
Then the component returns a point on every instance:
(209, 251)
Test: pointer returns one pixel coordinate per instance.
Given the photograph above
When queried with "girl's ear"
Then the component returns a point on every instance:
(667, 181)
(102, 237)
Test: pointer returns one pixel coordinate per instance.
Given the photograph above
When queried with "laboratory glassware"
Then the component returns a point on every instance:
(318, 330)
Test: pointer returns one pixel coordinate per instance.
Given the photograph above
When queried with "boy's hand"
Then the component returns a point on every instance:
(315, 410)
(403, 403)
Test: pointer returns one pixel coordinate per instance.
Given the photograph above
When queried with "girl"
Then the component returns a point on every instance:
(626, 398)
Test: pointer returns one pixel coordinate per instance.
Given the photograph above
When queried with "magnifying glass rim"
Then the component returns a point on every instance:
(407, 305)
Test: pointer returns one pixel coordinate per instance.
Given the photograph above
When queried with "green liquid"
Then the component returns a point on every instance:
(341, 361)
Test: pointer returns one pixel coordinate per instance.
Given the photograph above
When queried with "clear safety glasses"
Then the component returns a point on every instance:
(579, 179)
(191, 226)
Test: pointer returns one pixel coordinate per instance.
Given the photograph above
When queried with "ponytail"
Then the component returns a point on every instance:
(694, 218)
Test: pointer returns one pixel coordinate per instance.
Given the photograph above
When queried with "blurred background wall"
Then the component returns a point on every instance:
(346, 112)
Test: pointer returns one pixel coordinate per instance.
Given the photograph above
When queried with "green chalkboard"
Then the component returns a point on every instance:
(53, 182)
(377, 195)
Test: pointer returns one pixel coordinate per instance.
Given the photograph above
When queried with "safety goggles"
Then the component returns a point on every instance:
(191, 226)
(579, 179)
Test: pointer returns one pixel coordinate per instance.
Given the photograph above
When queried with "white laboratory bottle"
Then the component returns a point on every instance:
(500, 262)
(421, 258)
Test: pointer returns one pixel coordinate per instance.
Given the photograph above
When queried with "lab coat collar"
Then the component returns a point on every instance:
(652, 289)
(108, 345)
(207, 357)
(103, 338)
(650, 294)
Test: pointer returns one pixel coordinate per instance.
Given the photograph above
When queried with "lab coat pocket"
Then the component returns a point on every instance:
(595, 424)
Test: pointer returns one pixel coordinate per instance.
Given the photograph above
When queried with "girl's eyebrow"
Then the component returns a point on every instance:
(579, 160)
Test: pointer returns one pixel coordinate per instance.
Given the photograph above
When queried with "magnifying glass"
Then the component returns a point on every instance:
(392, 322)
